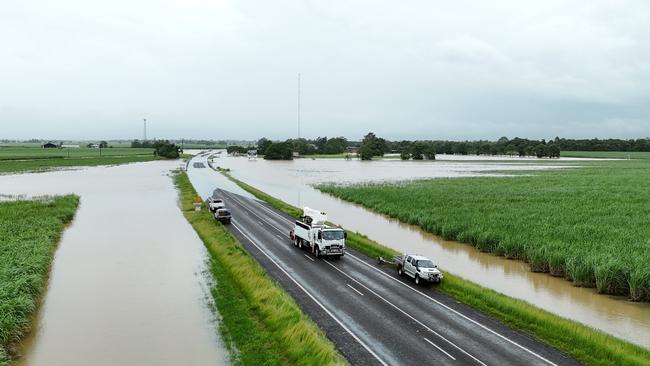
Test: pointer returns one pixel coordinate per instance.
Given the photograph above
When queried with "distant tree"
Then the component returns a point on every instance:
(405, 155)
(336, 145)
(553, 151)
(166, 149)
(262, 144)
(89, 145)
(279, 151)
(103, 144)
(417, 150)
(372, 146)
(136, 143)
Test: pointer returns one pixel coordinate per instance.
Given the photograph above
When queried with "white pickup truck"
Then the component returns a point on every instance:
(418, 267)
(311, 231)
(215, 203)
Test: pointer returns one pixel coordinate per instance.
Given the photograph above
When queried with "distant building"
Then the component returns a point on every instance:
(49, 145)
(69, 146)
(93, 146)
(352, 149)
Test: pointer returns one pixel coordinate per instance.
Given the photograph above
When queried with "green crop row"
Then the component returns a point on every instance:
(588, 225)
(588, 345)
(29, 232)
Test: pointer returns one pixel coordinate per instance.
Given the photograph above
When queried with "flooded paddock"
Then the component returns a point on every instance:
(128, 283)
(291, 180)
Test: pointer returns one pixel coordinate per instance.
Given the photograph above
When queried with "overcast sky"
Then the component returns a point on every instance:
(404, 69)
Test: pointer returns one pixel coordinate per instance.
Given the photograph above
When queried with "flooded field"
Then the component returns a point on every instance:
(291, 180)
(127, 283)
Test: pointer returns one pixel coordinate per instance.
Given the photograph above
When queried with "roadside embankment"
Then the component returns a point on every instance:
(590, 346)
(29, 233)
(260, 322)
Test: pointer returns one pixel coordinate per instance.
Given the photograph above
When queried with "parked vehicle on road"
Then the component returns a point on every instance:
(311, 231)
(420, 268)
(223, 215)
(215, 203)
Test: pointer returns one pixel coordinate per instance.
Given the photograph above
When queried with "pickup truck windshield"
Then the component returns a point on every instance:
(425, 264)
(333, 235)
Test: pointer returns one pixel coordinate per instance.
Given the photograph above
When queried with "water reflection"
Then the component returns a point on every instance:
(126, 287)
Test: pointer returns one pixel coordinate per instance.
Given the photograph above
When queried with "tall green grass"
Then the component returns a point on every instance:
(589, 225)
(260, 321)
(29, 232)
(607, 154)
(588, 345)
(22, 152)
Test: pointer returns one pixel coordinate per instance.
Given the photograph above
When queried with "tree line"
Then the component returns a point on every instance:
(162, 148)
(603, 145)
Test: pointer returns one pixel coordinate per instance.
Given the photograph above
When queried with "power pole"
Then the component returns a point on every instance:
(145, 130)
(298, 105)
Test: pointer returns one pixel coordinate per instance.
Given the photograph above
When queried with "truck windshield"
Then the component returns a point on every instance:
(425, 263)
(333, 235)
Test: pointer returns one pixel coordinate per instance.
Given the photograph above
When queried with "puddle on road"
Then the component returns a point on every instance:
(290, 180)
(127, 285)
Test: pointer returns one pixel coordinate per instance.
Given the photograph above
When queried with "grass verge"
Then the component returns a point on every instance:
(29, 233)
(260, 322)
(588, 345)
(38, 164)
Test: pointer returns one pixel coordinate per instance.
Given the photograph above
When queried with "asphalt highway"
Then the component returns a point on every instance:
(373, 316)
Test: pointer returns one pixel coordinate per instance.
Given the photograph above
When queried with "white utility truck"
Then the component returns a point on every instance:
(311, 231)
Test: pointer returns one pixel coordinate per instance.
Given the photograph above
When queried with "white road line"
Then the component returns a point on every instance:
(350, 286)
(312, 297)
(279, 237)
(425, 295)
(308, 257)
(440, 349)
(407, 314)
(456, 312)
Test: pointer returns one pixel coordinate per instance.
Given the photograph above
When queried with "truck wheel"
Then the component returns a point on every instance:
(295, 242)
(317, 252)
(417, 280)
(399, 271)
(300, 243)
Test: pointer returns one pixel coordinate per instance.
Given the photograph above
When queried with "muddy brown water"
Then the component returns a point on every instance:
(128, 283)
(290, 181)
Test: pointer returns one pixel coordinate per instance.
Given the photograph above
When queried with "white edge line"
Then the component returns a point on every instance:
(308, 257)
(457, 312)
(350, 286)
(407, 314)
(312, 297)
(440, 349)
(421, 293)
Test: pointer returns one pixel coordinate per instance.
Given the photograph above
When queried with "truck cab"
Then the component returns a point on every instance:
(312, 231)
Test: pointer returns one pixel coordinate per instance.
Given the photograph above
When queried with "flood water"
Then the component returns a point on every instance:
(291, 180)
(127, 286)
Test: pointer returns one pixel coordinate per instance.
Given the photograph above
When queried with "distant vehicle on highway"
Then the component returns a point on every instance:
(223, 215)
(312, 231)
(215, 203)
(419, 268)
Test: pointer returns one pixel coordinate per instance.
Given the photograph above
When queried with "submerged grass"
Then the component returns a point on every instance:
(588, 225)
(38, 165)
(29, 232)
(260, 321)
(590, 346)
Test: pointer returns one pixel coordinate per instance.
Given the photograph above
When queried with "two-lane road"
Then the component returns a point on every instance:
(373, 316)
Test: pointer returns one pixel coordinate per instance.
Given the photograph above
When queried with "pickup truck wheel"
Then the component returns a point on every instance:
(317, 252)
(399, 271)
(417, 279)
(300, 243)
